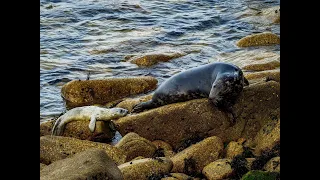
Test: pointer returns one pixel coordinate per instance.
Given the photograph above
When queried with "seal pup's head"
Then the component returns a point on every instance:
(227, 88)
(112, 113)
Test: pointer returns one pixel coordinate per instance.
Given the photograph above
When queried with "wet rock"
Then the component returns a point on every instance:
(269, 75)
(90, 164)
(267, 138)
(273, 165)
(134, 145)
(80, 130)
(233, 149)
(194, 158)
(53, 148)
(164, 148)
(129, 103)
(176, 123)
(272, 14)
(42, 166)
(219, 169)
(100, 91)
(152, 58)
(263, 66)
(144, 168)
(259, 39)
(257, 174)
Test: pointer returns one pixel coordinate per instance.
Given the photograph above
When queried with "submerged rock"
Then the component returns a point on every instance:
(194, 158)
(100, 91)
(259, 39)
(53, 148)
(179, 122)
(90, 164)
(152, 58)
(80, 130)
(142, 169)
(219, 169)
(134, 145)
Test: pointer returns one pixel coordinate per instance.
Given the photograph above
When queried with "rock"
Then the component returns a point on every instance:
(53, 148)
(249, 163)
(131, 102)
(144, 168)
(152, 58)
(219, 169)
(134, 145)
(42, 166)
(90, 164)
(137, 158)
(262, 67)
(233, 149)
(272, 14)
(164, 148)
(181, 176)
(100, 91)
(194, 158)
(266, 75)
(273, 165)
(80, 130)
(267, 138)
(178, 122)
(259, 39)
(257, 174)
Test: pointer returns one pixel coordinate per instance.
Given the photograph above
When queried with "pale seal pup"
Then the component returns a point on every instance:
(86, 113)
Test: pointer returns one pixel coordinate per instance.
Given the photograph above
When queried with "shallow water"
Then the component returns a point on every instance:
(81, 36)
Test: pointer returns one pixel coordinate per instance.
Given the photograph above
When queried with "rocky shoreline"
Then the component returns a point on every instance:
(182, 141)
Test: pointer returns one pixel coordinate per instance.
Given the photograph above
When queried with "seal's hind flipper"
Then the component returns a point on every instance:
(57, 128)
(143, 106)
(92, 124)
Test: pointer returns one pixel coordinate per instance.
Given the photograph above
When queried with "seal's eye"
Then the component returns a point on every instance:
(236, 69)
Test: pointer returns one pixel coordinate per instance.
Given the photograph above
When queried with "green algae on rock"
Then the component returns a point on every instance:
(259, 39)
(100, 91)
(134, 145)
(144, 168)
(90, 164)
(53, 148)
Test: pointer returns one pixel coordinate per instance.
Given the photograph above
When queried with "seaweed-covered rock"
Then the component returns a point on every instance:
(233, 149)
(176, 123)
(152, 58)
(80, 130)
(134, 145)
(193, 159)
(219, 169)
(145, 168)
(259, 39)
(90, 164)
(261, 175)
(273, 165)
(100, 91)
(53, 148)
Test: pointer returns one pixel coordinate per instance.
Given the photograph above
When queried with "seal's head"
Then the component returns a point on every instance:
(112, 113)
(227, 88)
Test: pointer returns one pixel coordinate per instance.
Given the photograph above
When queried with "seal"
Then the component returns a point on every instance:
(221, 82)
(85, 113)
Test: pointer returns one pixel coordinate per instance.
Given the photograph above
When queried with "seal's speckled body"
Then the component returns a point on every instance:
(221, 82)
(86, 113)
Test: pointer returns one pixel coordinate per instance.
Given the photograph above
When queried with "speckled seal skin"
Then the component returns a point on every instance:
(221, 82)
(86, 113)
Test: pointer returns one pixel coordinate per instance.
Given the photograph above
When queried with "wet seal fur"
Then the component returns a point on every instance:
(221, 82)
(86, 113)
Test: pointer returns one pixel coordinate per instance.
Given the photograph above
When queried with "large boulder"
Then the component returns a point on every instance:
(53, 148)
(259, 39)
(143, 169)
(194, 158)
(134, 145)
(80, 130)
(101, 91)
(176, 123)
(90, 164)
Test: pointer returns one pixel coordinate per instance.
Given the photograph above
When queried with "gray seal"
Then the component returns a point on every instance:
(221, 82)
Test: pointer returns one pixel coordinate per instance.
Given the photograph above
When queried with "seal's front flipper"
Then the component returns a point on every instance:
(143, 106)
(92, 124)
